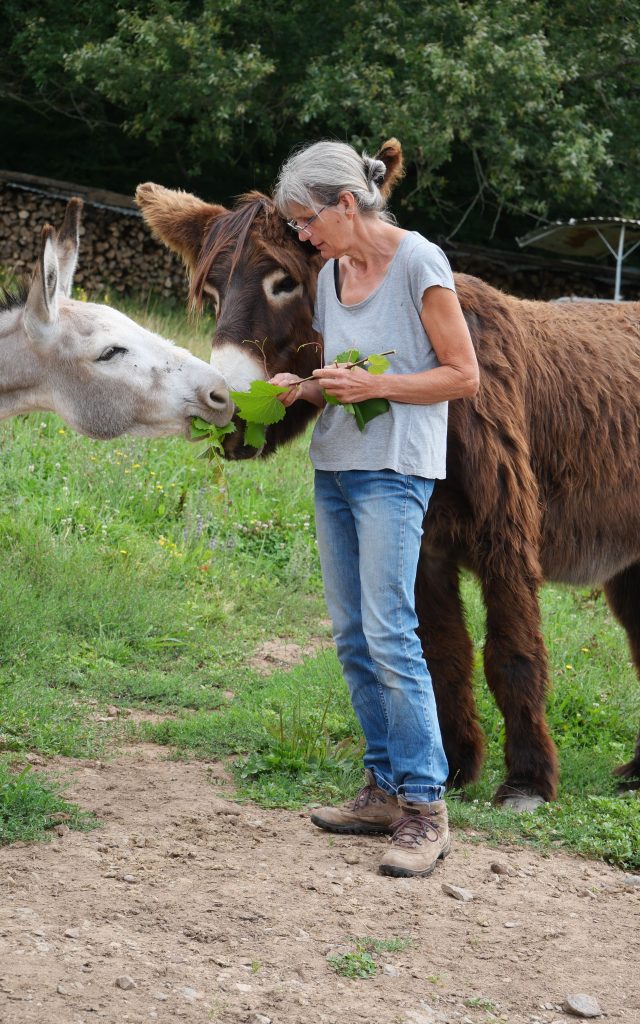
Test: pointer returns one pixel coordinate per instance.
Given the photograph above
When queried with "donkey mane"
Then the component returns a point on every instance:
(229, 232)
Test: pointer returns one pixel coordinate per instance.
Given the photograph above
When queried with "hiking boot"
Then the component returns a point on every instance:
(373, 812)
(420, 839)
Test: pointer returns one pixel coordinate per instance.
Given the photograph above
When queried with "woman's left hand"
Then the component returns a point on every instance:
(352, 385)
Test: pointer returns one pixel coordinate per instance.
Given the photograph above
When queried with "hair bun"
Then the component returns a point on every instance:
(374, 170)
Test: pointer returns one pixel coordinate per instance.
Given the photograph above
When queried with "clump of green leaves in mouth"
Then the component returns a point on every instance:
(203, 431)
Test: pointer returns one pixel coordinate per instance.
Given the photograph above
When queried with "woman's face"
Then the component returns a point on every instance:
(328, 228)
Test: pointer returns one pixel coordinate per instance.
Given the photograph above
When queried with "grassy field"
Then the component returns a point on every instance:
(133, 575)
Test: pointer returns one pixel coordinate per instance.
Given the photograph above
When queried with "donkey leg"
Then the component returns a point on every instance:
(623, 595)
(449, 655)
(516, 671)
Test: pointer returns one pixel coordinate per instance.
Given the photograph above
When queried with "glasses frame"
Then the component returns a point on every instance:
(303, 229)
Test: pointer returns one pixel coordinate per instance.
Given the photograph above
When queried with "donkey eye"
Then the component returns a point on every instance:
(284, 284)
(109, 353)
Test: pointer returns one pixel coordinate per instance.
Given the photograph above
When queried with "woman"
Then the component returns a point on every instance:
(381, 288)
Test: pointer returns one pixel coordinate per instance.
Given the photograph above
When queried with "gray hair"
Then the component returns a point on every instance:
(316, 175)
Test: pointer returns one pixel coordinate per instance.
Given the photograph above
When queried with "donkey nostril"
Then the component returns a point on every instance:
(218, 399)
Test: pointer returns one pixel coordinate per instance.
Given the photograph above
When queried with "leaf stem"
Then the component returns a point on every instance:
(347, 366)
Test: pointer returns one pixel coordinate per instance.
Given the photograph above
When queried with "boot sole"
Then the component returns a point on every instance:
(352, 830)
(396, 872)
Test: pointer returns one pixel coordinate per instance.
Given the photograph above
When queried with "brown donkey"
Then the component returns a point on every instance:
(543, 469)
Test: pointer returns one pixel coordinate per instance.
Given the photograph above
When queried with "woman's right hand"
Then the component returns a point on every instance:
(291, 380)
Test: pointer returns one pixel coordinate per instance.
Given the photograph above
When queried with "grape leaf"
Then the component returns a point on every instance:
(368, 409)
(350, 356)
(201, 430)
(377, 364)
(260, 404)
(330, 399)
(200, 427)
(255, 434)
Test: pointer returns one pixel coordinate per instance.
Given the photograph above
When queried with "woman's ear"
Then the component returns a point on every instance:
(348, 203)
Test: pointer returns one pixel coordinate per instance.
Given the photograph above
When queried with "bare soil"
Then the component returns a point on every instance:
(226, 913)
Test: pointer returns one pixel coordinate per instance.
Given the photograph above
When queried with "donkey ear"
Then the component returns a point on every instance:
(68, 244)
(177, 219)
(41, 308)
(391, 155)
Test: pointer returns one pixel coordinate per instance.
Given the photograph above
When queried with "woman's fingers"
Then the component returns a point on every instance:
(290, 380)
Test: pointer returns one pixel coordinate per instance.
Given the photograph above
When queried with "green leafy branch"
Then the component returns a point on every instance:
(368, 408)
(260, 406)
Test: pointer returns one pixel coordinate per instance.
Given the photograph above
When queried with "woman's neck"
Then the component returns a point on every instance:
(372, 246)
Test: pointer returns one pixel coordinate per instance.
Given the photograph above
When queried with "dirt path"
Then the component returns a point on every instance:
(225, 913)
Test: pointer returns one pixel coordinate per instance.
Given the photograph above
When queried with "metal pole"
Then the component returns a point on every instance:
(620, 257)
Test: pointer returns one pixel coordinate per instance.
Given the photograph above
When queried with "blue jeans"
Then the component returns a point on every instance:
(369, 526)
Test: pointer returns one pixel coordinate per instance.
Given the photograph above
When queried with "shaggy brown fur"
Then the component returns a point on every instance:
(543, 469)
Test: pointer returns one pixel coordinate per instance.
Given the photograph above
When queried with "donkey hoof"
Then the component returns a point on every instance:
(522, 802)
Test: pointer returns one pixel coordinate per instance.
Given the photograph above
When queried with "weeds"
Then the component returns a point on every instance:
(357, 964)
(360, 962)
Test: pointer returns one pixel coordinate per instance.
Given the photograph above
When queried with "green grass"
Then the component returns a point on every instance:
(131, 575)
(30, 805)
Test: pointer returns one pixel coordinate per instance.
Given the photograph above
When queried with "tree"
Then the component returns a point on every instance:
(505, 108)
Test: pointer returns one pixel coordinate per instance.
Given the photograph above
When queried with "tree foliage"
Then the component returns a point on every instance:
(505, 108)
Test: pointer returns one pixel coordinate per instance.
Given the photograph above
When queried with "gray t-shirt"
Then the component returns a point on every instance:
(410, 439)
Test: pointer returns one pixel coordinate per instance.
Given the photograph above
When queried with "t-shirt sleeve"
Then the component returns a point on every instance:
(319, 306)
(428, 266)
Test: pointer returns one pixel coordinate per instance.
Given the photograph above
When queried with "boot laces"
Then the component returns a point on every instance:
(367, 795)
(411, 830)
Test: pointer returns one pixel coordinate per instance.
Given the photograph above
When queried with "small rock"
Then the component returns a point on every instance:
(69, 988)
(511, 924)
(458, 892)
(500, 868)
(391, 970)
(190, 994)
(131, 879)
(424, 1016)
(125, 982)
(633, 881)
(241, 987)
(351, 857)
(259, 1018)
(72, 933)
(582, 1005)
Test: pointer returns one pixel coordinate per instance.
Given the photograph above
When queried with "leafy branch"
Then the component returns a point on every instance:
(260, 406)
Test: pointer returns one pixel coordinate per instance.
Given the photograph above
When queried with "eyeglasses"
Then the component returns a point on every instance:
(303, 229)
